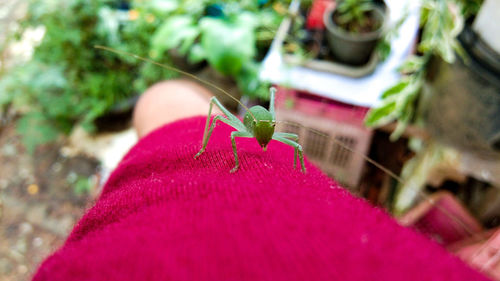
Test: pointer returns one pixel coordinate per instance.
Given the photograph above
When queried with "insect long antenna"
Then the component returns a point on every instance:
(176, 70)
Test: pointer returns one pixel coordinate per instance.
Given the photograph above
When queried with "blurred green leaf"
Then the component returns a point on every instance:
(412, 64)
(69, 82)
(406, 114)
(81, 184)
(352, 15)
(383, 48)
(397, 104)
(440, 24)
(249, 82)
(381, 115)
(176, 31)
(228, 44)
(197, 54)
(396, 89)
(36, 129)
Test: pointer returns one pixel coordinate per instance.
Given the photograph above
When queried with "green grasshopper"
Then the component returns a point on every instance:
(258, 122)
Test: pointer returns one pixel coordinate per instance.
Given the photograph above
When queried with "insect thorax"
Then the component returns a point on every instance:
(256, 114)
(259, 121)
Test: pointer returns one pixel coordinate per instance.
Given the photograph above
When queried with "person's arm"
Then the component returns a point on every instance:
(164, 215)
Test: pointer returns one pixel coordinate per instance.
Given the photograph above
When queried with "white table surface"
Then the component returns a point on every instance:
(364, 91)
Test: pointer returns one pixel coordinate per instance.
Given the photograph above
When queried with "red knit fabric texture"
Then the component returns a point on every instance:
(166, 216)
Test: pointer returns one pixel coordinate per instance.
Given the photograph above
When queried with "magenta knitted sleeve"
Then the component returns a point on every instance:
(166, 216)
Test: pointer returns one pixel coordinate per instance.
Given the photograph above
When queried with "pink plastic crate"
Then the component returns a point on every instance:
(322, 124)
(442, 218)
(314, 105)
(482, 251)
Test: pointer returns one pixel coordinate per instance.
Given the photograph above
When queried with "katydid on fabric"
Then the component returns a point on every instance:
(165, 216)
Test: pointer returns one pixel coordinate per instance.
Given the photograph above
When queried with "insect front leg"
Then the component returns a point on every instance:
(232, 121)
(272, 91)
(290, 136)
(235, 134)
(291, 139)
(205, 131)
(207, 135)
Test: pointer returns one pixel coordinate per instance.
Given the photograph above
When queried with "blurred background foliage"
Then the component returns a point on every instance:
(67, 81)
(441, 22)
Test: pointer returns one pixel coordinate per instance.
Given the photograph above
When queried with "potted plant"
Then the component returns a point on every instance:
(353, 29)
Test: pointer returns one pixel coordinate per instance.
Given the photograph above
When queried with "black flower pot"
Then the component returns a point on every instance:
(353, 48)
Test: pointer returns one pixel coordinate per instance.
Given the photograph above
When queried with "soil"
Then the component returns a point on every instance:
(38, 204)
(370, 23)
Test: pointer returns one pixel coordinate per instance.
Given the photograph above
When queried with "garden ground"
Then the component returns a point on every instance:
(39, 204)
